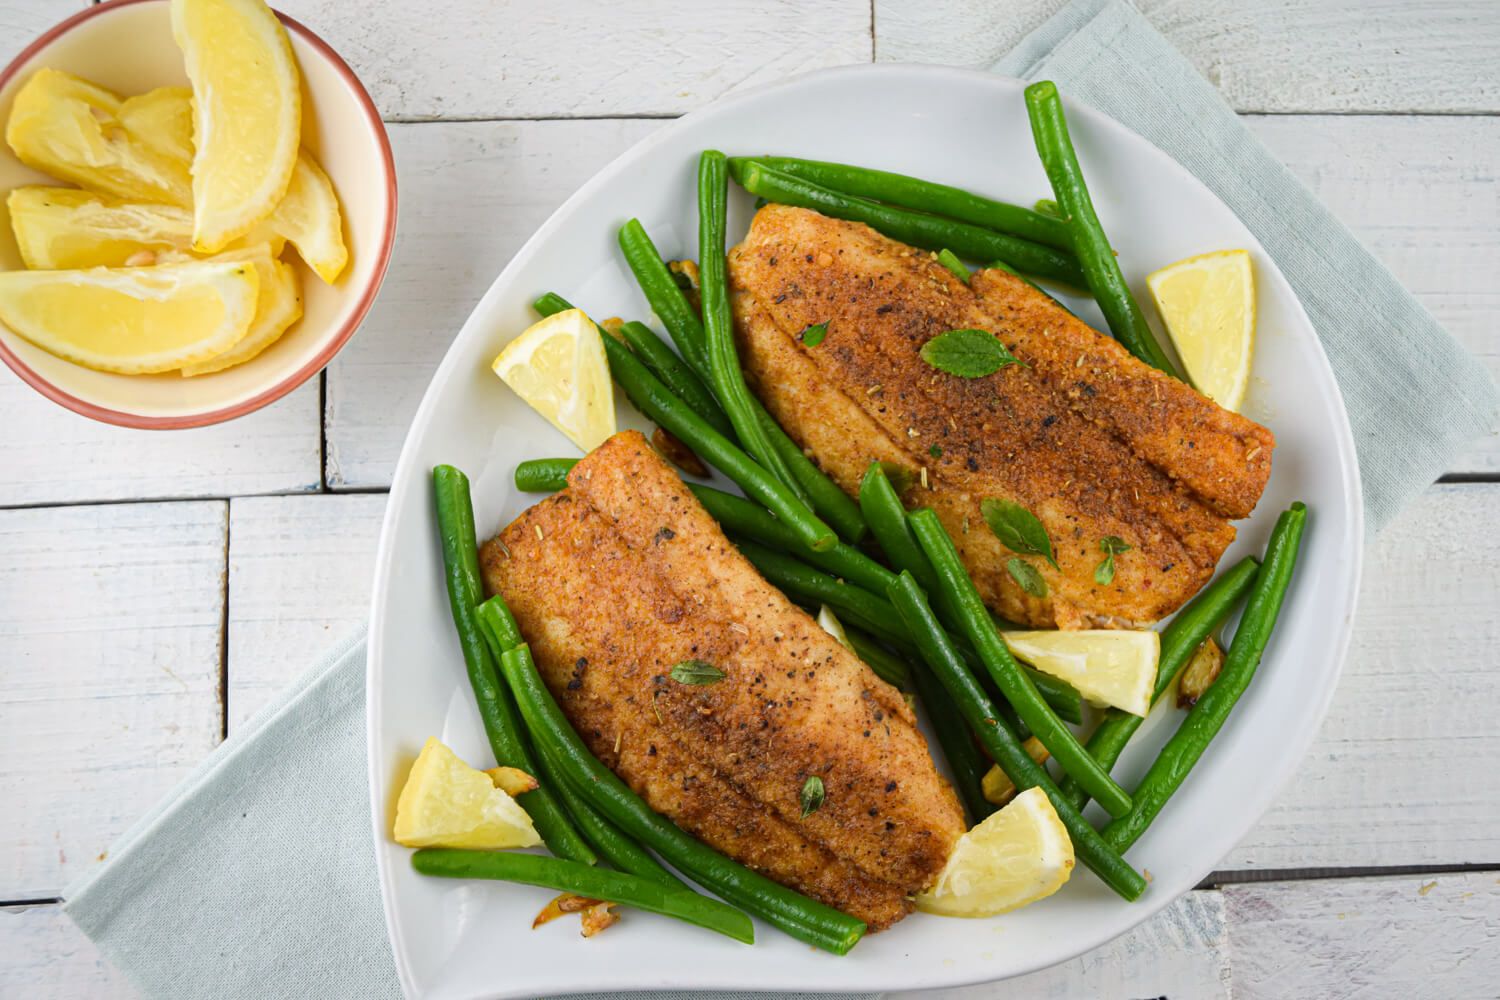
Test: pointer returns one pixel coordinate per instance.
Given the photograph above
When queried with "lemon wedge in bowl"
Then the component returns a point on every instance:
(447, 803)
(63, 229)
(70, 128)
(1208, 305)
(247, 114)
(163, 120)
(309, 218)
(1114, 667)
(133, 320)
(1016, 856)
(277, 307)
(559, 368)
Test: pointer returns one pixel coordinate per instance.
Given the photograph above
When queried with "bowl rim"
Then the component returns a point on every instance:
(125, 418)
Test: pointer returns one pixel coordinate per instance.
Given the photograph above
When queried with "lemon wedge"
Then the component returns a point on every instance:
(64, 228)
(309, 217)
(447, 803)
(133, 320)
(558, 367)
(1114, 667)
(65, 126)
(247, 113)
(1016, 856)
(277, 307)
(163, 120)
(1208, 305)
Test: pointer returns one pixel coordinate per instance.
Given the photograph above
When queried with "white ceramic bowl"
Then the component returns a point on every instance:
(961, 127)
(126, 46)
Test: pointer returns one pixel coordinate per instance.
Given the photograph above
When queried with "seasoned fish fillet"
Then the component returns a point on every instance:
(1086, 437)
(621, 576)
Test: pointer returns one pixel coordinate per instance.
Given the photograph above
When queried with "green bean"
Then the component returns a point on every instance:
(1049, 128)
(544, 475)
(950, 260)
(726, 375)
(917, 228)
(1204, 720)
(886, 516)
(961, 595)
(1179, 641)
(658, 403)
(455, 518)
(664, 296)
(674, 373)
(926, 196)
(887, 665)
(872, 612)
(803, 918)
(828, 501)
(594, 883)
(1001, 742)
(1047, 207)
(502, 633)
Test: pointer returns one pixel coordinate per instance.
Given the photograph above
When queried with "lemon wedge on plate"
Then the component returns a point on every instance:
(447, 803)
(558, 367)
(1208, 305)
(1113, 667)
(247, 113)
(133, 320)
(1016, 856)
(65, 126)
(277, 307)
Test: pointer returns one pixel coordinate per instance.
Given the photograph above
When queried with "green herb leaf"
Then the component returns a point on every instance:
(697, 672)
(1027, 576)
(1111, 546)
(950, 260)
(1017, 528)
(967, 353)
(935, 451)
(812, 796)
(813, 335)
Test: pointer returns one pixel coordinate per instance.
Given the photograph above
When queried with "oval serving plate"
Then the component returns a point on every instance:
(456, 939)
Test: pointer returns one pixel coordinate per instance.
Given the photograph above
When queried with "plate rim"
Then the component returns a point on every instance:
(1261, 797)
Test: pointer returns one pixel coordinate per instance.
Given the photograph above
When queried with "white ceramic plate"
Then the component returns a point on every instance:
(455, 939)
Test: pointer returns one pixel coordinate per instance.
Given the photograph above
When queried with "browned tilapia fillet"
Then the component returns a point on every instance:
(1088, 438)
(621, 576)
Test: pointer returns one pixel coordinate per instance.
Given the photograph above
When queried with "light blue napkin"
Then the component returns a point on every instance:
(256, 878)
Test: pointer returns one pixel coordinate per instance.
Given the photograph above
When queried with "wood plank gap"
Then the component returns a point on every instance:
(1470, 478)
(351, 490)
(1217, 880)
(323, 431)
(224, 628)
(483, 119)
(45, 901)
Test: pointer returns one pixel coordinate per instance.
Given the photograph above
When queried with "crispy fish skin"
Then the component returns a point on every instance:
(1046, 434)
(623, 575)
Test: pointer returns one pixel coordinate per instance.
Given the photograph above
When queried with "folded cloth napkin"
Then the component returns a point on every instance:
(256, 877)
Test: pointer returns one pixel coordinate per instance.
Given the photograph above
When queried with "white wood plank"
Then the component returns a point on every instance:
(484, 187)
(1424, 196)
(1280, 56)
(300, 570)
(1183, 951)
(1432, 938)
(109, 647)
(457, 59)
(51, 455)
(1400, 773)
(23, 20)
(44, 956)
(1421, 190)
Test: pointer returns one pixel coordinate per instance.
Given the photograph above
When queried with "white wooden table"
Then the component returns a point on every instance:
(156, 588)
